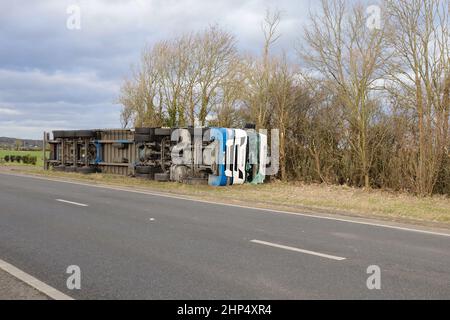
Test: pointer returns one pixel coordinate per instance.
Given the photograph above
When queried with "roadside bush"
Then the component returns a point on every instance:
(26, 159)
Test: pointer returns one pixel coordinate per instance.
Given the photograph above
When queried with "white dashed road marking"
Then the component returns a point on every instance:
(74, 203)
(323, 255)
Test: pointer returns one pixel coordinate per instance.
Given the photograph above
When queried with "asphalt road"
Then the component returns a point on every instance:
(139, 246)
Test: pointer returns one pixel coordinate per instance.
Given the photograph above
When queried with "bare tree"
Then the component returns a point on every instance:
(349, 57)
(368, 107)
(181, 81)
(216, 61)
(176, 57)
(139, 94)
(420, 76)
(228, 110)
(282, 95)
(259, 72)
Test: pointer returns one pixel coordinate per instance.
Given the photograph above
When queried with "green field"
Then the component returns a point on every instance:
(38, 154)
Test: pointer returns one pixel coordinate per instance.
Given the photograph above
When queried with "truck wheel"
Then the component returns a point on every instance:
(84, 133)
(86, 170)
(141, 138)
(58, 134)
(71, 169)
(161, 176)
(162, 131)
(151, 135)
(69, 134)
(143, 169)
(145, 131)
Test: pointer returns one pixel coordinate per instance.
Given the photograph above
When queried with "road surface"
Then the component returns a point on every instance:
(140, 246)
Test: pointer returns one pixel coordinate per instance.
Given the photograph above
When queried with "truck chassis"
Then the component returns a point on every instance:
(214, 156)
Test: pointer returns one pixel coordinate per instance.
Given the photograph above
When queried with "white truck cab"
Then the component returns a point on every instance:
(236, 155)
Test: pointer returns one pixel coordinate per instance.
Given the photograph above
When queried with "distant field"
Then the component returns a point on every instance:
(38, 154)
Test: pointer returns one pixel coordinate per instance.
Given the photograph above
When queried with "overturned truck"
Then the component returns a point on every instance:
(214, 156)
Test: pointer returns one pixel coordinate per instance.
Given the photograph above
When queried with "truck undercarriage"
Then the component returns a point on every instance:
(214, 156)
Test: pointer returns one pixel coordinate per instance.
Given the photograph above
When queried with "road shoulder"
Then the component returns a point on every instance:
(12, 288)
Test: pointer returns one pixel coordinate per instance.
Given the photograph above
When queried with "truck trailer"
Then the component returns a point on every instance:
(207, 155)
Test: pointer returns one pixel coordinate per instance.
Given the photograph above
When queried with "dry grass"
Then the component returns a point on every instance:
(342, 200)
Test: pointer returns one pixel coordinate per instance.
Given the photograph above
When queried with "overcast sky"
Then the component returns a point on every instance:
(52, 77)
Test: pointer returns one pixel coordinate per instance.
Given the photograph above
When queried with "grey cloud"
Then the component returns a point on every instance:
(52, 77)
(36, 86)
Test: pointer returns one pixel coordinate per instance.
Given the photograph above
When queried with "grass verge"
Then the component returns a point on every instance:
(342, 200)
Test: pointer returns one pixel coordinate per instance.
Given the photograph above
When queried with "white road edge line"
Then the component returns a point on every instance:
(71, 202)
(349, 220)
(314, 253)
(33, 282)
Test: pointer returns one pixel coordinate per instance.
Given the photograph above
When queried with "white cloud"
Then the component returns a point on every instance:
(9, 112)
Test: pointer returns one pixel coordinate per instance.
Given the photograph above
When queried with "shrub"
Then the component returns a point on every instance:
(33, 160)
(6, 158)
(26, 159)
(18, 159)
(12, 158)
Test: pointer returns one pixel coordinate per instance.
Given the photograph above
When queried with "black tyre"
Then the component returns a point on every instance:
(161, 176)
(141, 138)
(58, 134)
(69, 134)
(59, 168)
(142, 175)
(86, 170)
(162, 131)
(84, 133)
(143, 169)
(142, 130)
(71, 169)
(151, 135)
